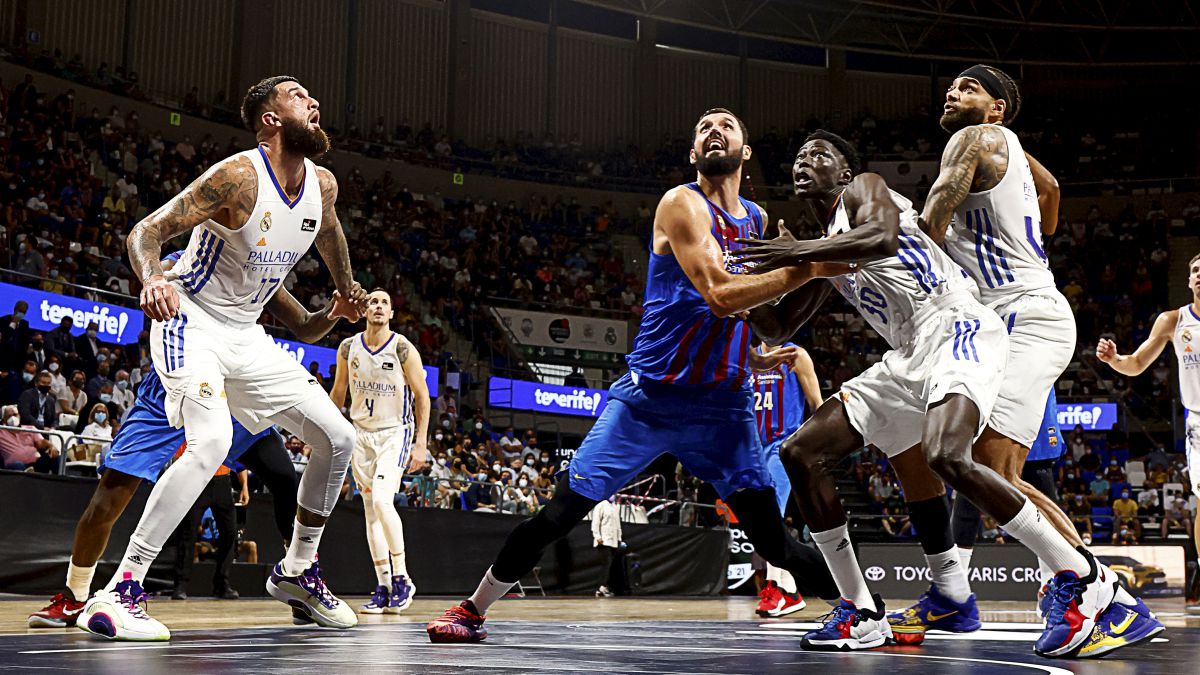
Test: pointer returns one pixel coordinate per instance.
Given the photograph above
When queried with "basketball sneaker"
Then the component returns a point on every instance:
(403, 590)
(933, 611)
(60, 613)
(460, 623)
(1121, 626)
(788, 603)
(1075, 605)
(1045, 598)
(768, 598)
(119, 615)
(849, 628)
(378, 602)
(308, 593)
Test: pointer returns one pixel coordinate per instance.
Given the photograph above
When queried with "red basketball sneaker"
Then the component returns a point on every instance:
(60, 613)
(461, 623)
(768, 598)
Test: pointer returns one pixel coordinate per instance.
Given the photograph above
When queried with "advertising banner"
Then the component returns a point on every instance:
(1090, 416)
(546, 398)
(116, 325)
(565, 331)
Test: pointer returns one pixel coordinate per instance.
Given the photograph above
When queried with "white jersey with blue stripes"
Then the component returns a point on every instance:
(233, 273)
(379, 395)
(889, 291)
(996, 235)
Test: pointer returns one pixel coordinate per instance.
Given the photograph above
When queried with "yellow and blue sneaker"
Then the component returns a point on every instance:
(1121, 626)
(933, 611)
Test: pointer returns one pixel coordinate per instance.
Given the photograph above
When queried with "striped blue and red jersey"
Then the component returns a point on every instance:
(779, 403)
(680, 340)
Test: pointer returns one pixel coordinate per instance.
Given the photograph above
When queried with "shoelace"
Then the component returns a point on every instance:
(1062, 595)
(312, 582)
(380, 596)
(836, 615)
(131, 598)
(460, 612)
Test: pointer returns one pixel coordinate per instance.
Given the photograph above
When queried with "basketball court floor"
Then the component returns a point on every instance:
(568, 635)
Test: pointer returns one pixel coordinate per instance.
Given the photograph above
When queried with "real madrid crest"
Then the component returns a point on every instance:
(1186, 335)
(205, 390)
(265, 223)
(354, 363)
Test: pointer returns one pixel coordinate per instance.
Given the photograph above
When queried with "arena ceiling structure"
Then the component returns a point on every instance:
(1027, 32)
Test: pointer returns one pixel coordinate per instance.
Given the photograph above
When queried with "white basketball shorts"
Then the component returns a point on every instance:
(380, 458)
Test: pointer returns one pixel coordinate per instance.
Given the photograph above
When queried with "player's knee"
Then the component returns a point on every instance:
(341, 437)
(381, 503)
(798, 453)
(952, 464)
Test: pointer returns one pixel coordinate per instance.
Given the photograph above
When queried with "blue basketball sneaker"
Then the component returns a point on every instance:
(849, 628)
(403, 590)
(1121, 626)
(378, 602)
(933, 611)
(1045, 599)
(1075, 605)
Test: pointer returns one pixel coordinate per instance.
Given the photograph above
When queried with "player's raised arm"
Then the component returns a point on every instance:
(341, 375)
(681, 219)
(1146, 353)
(331, 241)
(311, 326)
(225, 193)
(877, 235)
(414, 377)
(960, 160)
(1047, 192)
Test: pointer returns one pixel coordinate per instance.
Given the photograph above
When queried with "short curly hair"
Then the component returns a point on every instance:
(257, 97)
(849, 153)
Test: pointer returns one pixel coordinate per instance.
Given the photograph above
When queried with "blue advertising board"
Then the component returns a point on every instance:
(1090, 416)
(546, 398)
(115, 324)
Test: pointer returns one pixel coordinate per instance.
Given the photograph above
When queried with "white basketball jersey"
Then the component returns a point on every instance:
(1187, 350)
(996, 235)
(233, 273)
(379, 396)
(889, 291)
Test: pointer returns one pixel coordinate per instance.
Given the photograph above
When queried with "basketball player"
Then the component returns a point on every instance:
(389, 405)
(782, 398)
(936, 387)
(145, 444)
(687, 390)
(984, 207)
(1181, 329)
(267, 206)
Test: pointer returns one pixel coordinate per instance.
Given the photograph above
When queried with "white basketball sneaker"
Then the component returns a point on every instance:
(119, 615)
(309, 594)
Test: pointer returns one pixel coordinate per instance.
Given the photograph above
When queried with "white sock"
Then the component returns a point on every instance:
(490, 590)
(399, 566)
(383, 574)
(843, 565)
(964, 557)
(1039, 536)
(79, 580)
(949, 576)
(303, 549)
(1044, 571)
(786, 583)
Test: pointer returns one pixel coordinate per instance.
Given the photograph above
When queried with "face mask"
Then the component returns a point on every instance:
(100, 417)
(100, 358)
(12, 420)
(105, 397)
(53, 367)
(523, 483)
(37, 346)
(1124, 495)
(496, 468)
(123, 385)
(545, 458)
(78, 384)
(441, 462)
(1124, 532)
(91, 333)
(528, 461)
(445, 424)
(478, 426)
(28, 377)
(44, 388)
(482, 477)
(438, 437)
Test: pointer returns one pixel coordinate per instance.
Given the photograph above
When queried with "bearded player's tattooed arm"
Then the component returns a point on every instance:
(331, 241)
(225, 193)
(976, 158)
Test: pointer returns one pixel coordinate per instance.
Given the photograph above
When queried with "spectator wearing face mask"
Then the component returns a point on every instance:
(1080, 512)
(482, 494)
(87, 346)
(123, 395)
(1125, 510)
(479, 433)
(14, 335)
(36, 405)
(99, 427)
(101, 378)
(38, 352)
(298, 453)
(1126, 536)
(73, 399)
(20, 450)
(58, 382)
(1148, 504)
(60, 340)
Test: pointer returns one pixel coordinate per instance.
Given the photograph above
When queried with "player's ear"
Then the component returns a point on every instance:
(270, 119)
(692, 156)
(999, 105)
(746, 152)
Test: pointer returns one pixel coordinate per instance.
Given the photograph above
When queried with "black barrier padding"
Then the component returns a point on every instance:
(448, 551)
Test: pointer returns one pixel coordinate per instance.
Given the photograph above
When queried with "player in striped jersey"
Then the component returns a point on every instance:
(783, 397)
(389, 405)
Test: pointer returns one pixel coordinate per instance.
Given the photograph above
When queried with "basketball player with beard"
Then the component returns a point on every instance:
(252, 217)
(687, 392)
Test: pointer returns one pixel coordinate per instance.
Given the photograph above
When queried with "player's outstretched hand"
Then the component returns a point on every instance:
(341, 308)
(159, 299)
(419, 458)
(1106, 350)
(771, 359)
(358, 296)
(764, 255)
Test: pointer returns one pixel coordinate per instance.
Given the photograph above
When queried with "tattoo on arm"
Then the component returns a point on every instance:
(344, 348)
(953, 182)
(402, 348)
(331, 241)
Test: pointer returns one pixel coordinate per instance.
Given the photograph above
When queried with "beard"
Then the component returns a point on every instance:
(300, 139)
(720, 165)
(961, 119)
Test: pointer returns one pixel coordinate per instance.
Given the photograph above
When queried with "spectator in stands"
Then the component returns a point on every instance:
(1080, 512)
(58, 382)
(21, 450)
(1125, 510)
(98, 430)
(14, 335)
(73, 400)
(97, 382)
(992, 531)
(1156, 458)
(37, 350)
(1098, 489)
(60, 339)
(36, 405)
(87, 346)
(1078, 444)
(1126, 535)
(1148, 504)
(123, 395)
(298, 452)
(1175, 515)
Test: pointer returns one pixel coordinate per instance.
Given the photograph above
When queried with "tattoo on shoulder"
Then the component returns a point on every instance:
(993, 159)
(402, 347)
(344, 348)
